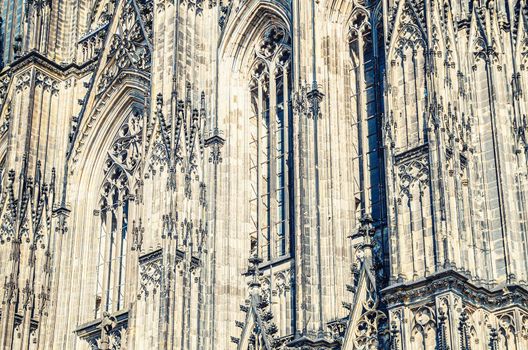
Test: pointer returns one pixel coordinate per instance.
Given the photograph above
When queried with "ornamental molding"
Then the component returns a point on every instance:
(49, 67)
(35, 77)
(26, 219)
(127, 59)
(215, 141)
(46, 82)
(489, 298)
(411, 172)
(128, 48)
(412, 154)
(258, 330)
(150, 273)
(274, 45)
(109, 332)
(23, 81)
(6, 119)
(125, 150)
(5, 83)
(134, 80)
(307, 101)
(367, 323)
(235, 16)
(406, 23)
(180, 139)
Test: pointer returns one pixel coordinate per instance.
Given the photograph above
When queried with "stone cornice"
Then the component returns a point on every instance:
(91, 329)
(61, 71)
(412, 153)
(305, 342)
(452, 281)
(151, 256)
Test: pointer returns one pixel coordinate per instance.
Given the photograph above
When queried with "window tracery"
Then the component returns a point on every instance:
(270, 93)
(123, 158)
(424, 328)
(366, 52)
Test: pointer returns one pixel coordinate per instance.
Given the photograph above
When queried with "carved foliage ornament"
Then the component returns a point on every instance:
(101, 14)
(9, 205)
(47, 83)
(23, 81)
(4, 85)
(181, 137)
(263, 332)
(146, 13)
(30, 213)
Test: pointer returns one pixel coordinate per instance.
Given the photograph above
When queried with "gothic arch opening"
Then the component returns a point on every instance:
(261, 71)
(257, 118)
(108, 170)
(270, 143)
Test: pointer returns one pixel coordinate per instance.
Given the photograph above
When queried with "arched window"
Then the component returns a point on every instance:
(366, 50)
(270, 143)
(122, 160)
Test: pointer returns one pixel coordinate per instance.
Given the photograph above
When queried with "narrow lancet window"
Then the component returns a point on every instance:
(270, 144)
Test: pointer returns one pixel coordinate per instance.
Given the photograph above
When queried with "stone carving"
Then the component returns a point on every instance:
(412, 172)
(4, 127)
(4, 85)
(128, 48)
(274, 40)
(125, 151)
(194, 5)
(367, 321)
(423, 325)
(123, 159)
(151, 273)
(215, 142)
(189, 129)
(369, 326)
(146, 14)
(308, 102)
(46, 82)
(23, 81)
(181, 143)
(258, 330)
(9, 212)
(426, 103)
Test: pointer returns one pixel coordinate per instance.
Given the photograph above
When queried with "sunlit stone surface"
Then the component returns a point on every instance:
(263, 174)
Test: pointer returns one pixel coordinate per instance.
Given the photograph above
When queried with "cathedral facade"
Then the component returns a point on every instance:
(264, 174)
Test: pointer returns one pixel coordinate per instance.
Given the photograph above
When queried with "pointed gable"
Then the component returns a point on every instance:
(365, 320)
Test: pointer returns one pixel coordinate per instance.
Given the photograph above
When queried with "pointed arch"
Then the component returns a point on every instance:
(366, 321)
(104, 171)
(255, 55)
(407, 27)
(126, 59)
(244, 27)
